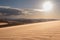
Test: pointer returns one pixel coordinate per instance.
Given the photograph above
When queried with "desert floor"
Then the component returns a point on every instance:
(35, 31)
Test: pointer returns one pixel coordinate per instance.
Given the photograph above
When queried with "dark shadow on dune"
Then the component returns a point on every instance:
(9, 25)
(26, 22)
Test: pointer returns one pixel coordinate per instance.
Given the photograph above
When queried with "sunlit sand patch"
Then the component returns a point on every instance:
(3, 23)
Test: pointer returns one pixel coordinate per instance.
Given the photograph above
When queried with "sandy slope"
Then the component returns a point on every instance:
(36, 31)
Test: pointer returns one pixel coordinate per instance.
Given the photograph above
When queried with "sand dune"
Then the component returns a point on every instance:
(37, 31)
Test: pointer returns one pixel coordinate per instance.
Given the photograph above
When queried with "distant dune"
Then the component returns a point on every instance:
(35, 31)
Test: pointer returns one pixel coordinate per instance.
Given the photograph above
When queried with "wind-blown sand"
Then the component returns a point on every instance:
(37, 31)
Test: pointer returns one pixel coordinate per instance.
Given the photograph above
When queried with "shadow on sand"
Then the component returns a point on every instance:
(9, 25)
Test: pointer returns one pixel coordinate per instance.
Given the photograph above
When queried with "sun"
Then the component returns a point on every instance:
(47, 6)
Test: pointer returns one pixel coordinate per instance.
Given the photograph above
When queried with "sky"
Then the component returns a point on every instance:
(21, 3)
(26, 3)
(35, 4)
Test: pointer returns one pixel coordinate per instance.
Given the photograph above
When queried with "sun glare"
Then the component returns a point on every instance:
(47, 6)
